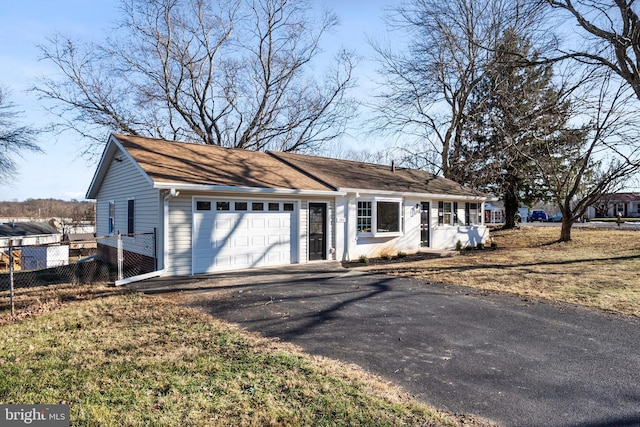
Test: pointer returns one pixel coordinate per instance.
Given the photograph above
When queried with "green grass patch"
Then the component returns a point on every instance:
(129, 360)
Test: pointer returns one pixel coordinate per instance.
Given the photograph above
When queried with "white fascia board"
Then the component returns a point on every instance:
(244, 190)
(408, 194)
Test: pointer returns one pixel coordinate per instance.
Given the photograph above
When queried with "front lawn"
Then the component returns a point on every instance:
(598, 268)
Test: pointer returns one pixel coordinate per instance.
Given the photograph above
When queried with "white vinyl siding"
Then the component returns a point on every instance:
(124, 181)
(180, 232)
(331, 228)
(304, 231)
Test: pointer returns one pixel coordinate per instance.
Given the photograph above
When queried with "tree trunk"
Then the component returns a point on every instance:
(510, 202)
(510, 209)
(565, 232)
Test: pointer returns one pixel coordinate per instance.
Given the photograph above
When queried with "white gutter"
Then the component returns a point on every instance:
(360, 192)
(165, 238)
(249, 190)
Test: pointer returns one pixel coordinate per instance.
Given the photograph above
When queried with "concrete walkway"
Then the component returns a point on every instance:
(515, 362)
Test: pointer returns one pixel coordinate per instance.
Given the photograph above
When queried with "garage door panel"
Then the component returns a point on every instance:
(224, 224)
(242, 259)
(274, 223)
(222, 262)
(241, 242)
(274, 257)
(258, 241)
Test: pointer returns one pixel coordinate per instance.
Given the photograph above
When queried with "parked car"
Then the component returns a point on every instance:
(556, 218)
(538, 215)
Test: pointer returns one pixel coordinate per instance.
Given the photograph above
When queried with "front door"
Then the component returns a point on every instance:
(425, 222)
(317, 231)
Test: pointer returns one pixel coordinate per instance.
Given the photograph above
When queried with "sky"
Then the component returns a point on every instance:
(59, 172)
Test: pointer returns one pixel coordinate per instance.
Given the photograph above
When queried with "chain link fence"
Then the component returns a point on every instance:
(99, 260)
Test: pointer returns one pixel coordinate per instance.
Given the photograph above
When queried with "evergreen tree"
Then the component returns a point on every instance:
(514, 111)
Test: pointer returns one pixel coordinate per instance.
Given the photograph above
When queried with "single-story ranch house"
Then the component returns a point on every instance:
(612, 204)
(218, 209)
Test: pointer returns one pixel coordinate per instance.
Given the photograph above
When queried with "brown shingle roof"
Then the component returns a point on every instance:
(620, 197)
(367, 176)
(188, 163)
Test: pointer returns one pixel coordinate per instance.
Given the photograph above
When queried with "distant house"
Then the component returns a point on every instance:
(37, 245)
(218, 209)
(28, 233)
(609, 205)
(494, 212)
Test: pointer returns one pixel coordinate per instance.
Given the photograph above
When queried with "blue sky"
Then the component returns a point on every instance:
(59, 172)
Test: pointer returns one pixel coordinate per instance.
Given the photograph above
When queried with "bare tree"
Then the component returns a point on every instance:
(234, 73)
(427, 88)
(14, 138)
(581, 164)
(613, 26)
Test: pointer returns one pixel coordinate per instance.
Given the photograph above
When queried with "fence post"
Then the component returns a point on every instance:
(11, 277)
(155, 249)
(120, 257)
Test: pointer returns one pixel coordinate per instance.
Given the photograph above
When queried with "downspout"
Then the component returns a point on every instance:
(165, 238)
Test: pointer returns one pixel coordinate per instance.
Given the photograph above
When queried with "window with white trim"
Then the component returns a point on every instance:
(364, 217)
(387, 217)
(380, 216)
(473, 213)
(445, 213)
(111, 225)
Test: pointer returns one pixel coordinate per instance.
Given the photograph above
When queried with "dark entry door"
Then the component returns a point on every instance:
(317, 231)
(425, 220)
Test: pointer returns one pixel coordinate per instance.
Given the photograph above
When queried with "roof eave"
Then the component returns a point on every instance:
(244, 190)
(440, 196)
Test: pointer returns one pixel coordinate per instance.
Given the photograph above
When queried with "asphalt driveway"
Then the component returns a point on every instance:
(516, 362)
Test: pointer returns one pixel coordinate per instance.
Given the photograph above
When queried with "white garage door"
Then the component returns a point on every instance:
(237, 234)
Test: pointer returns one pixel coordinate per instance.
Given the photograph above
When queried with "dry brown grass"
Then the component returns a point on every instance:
(598, 268)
